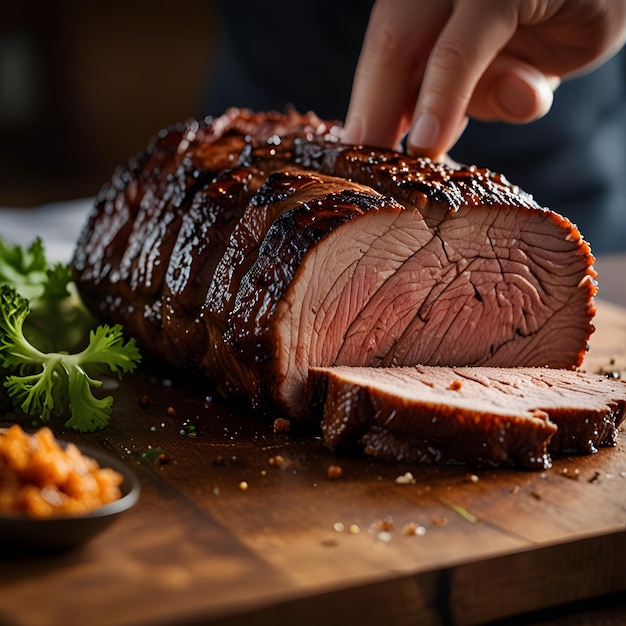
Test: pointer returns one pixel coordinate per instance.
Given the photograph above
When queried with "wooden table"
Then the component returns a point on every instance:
(296, 547)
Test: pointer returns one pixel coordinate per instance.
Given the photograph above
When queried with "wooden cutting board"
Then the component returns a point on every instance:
(238, 524)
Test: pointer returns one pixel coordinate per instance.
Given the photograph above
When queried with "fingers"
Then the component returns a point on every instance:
(473, 36)
(425, 66)
(513, 91)
(397, 43)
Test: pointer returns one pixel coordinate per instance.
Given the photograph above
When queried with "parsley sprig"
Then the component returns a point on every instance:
(57, 383)
(42, 319)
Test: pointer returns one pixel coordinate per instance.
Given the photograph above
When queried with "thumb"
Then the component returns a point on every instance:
(513, 91)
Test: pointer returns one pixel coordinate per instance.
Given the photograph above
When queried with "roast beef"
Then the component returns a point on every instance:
(250, 247)
(480, 415)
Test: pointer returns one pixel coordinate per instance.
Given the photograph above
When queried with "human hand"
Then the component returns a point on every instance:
(426, 65)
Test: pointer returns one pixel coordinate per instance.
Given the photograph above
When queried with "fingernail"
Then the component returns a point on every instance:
(425, 131)
(516, 97)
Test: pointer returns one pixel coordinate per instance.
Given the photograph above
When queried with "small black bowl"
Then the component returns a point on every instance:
(71, 531)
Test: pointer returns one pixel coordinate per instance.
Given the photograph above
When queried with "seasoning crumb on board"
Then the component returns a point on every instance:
(333, 472)
(277, 460)
(386, 523)
(144, 400)
(575, 475)
(413, 529)
(282, 425)
(405, 479)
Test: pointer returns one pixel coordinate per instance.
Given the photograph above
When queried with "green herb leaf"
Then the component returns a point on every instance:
(44, 384)
(58, 319)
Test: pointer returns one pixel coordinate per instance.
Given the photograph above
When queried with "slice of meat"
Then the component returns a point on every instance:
(200, 244)
(297, 289)
(486, 416)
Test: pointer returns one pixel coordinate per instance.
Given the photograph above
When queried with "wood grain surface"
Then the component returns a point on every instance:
(238, 524)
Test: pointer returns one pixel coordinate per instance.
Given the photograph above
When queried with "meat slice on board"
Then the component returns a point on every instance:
(485, 416)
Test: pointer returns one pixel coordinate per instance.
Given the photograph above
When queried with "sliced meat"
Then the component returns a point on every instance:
(146, 255)
(382, 288)
(292, 305)
(485, 416)
(199, 246)
(251, 247)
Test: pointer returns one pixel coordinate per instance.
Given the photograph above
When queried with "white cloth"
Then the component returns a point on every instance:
(58, 224)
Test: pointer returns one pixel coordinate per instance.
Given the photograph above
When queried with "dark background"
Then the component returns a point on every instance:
(84, 85)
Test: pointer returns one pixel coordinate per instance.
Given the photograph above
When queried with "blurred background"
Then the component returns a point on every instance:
(84, 85)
